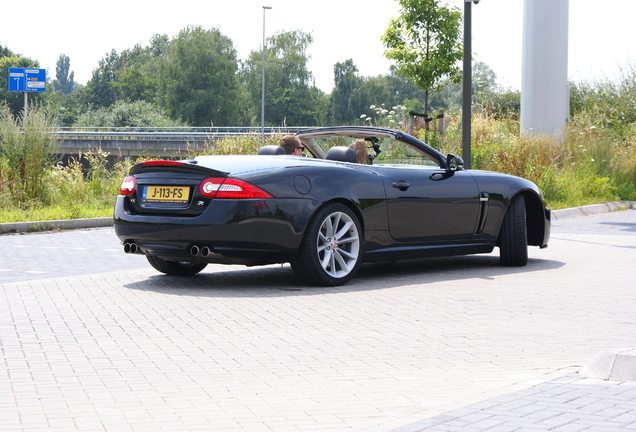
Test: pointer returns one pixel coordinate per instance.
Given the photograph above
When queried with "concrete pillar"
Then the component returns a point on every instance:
(544, 80)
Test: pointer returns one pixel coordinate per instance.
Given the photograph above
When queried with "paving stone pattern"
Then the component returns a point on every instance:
(444, 344)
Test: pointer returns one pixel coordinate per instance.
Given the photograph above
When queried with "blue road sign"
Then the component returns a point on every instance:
(27, 79)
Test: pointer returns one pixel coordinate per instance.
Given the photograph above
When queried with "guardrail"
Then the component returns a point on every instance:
(151, 142)
(169, 133)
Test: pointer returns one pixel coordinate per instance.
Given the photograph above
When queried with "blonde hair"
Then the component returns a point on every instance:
(360, 146)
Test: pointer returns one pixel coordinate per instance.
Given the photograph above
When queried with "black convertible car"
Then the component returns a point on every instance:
(325, 213)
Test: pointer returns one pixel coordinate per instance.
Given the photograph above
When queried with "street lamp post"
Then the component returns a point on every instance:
(263, 78)
(467, 83)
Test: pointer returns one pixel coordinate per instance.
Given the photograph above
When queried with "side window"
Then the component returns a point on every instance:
(394, 152)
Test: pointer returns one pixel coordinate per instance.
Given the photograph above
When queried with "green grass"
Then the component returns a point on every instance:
(58, 212)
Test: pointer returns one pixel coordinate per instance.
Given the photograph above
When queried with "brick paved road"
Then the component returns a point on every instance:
(104, 343)
(26, 257)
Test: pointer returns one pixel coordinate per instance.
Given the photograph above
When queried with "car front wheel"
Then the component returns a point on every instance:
(331, 251)
(175, 267)
(513, 238)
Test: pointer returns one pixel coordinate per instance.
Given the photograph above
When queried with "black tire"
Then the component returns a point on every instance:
(513, 237)
(331, 251)
(174, 267)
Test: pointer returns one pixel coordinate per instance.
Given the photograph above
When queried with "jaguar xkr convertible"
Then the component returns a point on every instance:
(325, 214)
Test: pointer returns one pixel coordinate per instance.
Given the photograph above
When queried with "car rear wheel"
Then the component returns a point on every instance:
(176, 268)
(513, 237)
(331, 251)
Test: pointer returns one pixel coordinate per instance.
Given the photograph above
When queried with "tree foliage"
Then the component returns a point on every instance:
(291, 97)
(126, 114)
(353, 95)
(484, 84)
(64, 78)
(425, 42)
(198, 78)
(343, 108)
(99, 91)
(5, 52)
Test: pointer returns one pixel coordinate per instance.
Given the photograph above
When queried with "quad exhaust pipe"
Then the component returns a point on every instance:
(202, 251)
(195, 251)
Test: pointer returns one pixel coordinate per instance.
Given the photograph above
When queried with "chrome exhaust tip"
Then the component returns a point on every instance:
(194, 250)
(131, 248)
(205, 251)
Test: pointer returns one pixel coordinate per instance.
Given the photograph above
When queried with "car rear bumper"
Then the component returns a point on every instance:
(248, 232)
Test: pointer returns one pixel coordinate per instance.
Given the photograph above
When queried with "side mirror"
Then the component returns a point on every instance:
(454, 163)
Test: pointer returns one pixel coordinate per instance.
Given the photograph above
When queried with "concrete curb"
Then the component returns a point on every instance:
(38, 226)
(591, 209)
(615, 364)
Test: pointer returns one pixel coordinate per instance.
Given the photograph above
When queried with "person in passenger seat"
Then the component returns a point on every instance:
(360, 146)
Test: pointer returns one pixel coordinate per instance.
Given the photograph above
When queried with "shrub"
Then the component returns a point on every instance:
(26, 151)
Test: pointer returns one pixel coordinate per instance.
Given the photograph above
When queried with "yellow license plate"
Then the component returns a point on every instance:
(165, 194)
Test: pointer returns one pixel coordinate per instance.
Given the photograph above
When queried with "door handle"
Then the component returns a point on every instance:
(401, 185)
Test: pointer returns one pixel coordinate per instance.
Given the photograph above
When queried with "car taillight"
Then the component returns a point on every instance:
(128, 185)
(231, 188)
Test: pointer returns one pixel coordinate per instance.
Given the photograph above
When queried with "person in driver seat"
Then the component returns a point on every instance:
(292, 145)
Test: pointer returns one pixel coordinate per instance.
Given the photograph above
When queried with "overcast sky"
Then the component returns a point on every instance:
(601, 38)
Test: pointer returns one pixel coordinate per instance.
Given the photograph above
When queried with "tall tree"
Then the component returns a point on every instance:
(341, 102)
(99, 91)
(136, 75)
(374, 91)
(5, 52)
(484, 83)
(198, 78)
(64, 77)
(402, 88)
(291, 97)
(425, 42)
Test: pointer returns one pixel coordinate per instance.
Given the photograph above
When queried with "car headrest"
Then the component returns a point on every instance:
(271, 150)
(342, 154)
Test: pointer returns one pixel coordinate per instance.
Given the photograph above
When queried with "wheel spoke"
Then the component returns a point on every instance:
(322, 238)
(328, 229)
(334, 223)
(344, 230)
(350, 239)
(339, 256)
(326, 260)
